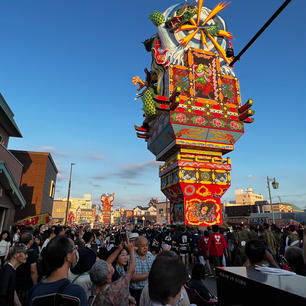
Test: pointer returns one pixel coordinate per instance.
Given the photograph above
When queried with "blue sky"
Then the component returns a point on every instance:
(66, 69)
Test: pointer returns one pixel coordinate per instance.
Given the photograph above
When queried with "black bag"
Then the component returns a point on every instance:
(57, 299)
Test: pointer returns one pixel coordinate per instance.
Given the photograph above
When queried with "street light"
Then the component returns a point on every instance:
(275, 185)
(68, 196)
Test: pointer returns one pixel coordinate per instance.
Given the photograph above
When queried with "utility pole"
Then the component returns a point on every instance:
(272, 211)
(68, 196)
(275, 185)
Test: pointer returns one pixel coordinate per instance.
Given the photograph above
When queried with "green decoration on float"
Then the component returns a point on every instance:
(148, 103)
(181, 16)
(157, 18)
(214, 30)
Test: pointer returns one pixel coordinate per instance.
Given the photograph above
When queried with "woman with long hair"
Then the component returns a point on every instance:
(119, 260)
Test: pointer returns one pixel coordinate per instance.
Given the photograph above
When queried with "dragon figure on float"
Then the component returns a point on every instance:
(192, 109)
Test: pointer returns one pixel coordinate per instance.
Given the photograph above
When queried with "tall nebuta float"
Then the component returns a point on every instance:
(107, 200)
(192, 108)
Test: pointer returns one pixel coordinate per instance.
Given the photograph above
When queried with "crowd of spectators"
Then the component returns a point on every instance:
(135, 265)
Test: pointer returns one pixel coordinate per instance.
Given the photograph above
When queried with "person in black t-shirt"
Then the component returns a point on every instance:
(17, 256)
(60, 256)
(26, 274)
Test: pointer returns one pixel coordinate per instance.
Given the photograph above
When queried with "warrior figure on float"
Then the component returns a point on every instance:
(192, 108)
(107, 200)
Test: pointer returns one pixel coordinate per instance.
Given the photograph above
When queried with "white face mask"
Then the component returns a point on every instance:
(77, 259)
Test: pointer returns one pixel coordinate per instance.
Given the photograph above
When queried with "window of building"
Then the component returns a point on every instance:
(52, 189)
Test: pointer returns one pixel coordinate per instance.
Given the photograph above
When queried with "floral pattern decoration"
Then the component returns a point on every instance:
(235, 125)
(180, 117)
(199, 120)
(219, 123)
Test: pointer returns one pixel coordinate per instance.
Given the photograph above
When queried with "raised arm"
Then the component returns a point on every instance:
(130, 248)
(114, 255)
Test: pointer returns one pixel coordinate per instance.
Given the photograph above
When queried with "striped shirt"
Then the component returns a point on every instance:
(142, 266)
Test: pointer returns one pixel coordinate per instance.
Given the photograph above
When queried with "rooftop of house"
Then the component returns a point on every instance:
(7, 119)
(142, 207)
(33, 153)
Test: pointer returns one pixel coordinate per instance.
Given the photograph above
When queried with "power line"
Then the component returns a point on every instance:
(290, 195)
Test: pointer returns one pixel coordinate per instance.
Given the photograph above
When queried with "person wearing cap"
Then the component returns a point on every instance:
(17, 256)
(79, 274)
(133, 237)
(110, 293)
(27, 273)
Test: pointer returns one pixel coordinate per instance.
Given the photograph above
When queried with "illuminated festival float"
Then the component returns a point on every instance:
(192, 109)
(106, 200)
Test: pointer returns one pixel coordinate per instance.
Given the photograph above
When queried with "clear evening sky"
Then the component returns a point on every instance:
(66, 69)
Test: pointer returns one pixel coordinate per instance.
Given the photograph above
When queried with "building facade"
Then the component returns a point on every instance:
(86, 216)
(260, 212)
(129, 215)
(37, 183)
(11, 197)
(163, 212)
(122, 216)
(277, 207)
(117, 216)
(59, 211)
(247, 197)
(147, 213)
(79, 208)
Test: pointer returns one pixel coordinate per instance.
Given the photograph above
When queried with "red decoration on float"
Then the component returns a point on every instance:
(107, 200)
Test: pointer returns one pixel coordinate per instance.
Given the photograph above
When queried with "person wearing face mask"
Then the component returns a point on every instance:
(59, 257)
(78, 274)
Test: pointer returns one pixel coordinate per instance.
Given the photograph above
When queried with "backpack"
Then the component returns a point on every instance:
(293, 239)
(57, 299)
